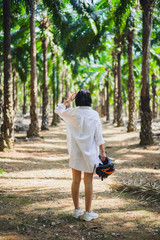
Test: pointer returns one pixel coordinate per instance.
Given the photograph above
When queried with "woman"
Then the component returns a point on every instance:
(84, 137)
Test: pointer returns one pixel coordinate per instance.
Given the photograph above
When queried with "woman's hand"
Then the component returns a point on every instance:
(102, 152)
(70, 99)
(103, 156)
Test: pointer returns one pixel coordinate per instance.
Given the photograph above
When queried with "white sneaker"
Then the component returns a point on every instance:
(77, 213)
(88, 216)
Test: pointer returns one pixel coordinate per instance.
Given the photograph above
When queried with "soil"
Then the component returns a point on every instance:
(35, 198)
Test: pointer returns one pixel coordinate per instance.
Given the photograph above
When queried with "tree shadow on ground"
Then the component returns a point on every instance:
(46, 223)
(32, 164)
(36, 202)
(64, 226)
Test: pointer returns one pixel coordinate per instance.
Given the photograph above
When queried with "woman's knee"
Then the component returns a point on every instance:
(76, 176)
(76, 181)
(88, 178)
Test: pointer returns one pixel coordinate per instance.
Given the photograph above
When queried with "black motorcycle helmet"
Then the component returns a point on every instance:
(105, 168)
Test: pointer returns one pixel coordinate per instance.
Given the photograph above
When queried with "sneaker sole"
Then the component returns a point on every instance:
(88, 220)
(77, 216)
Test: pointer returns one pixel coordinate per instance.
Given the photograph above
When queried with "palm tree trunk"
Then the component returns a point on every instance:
(54, 77)
(54, 119)
(154, 96)
(33, 127)
(45, 87)
(146, 136)
(131, 120)
(24, 99)
(120, 101)
(58, 84)
(114, 70)
(107, 100)
(7, 128)
(14, 91)
(63, 77)
(102, 99)
(67, 89)
(0, 89)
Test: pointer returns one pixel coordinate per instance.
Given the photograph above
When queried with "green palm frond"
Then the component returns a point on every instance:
(103, 4)
(60, 19)
(155, 56)
(121, 12)
(21, 35)
(78, 28)
(82, 6)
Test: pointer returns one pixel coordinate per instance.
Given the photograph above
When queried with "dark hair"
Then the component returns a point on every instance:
(83, 98)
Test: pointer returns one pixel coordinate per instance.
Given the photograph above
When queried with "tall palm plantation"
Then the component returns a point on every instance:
(56, 47)
(33, 127)
(146, 114)
(50, 49)
(7, 129)
(131, 88)
(44, 26)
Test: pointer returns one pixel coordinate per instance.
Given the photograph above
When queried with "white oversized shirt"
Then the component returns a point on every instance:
(84, 136)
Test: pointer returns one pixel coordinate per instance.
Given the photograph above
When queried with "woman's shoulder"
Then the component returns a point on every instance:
(71, 110)
(86, 112)
(95, 113)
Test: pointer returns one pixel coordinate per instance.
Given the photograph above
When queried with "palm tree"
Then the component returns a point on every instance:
(119, 97)
(15, 89)
(44, 26)
(7, 128)
(114, 70)
(0, 88)
(119, 19)
(24, 108)
(131, 98)
(154, 97)
(33, 127)
(107, 100)
(1, 28)
(21, 64)
(55, 84)
(102, 102)
(21, 52)
(146, 136)
(79, 34)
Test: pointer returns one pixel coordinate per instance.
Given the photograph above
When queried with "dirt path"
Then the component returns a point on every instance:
(35, 199)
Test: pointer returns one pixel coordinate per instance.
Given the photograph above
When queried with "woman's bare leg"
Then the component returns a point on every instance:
(88, 182)
(76, 175)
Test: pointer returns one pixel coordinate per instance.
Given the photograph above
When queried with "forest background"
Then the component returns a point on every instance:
(49, 49)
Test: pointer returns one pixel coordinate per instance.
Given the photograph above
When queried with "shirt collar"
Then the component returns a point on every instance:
(85, 107)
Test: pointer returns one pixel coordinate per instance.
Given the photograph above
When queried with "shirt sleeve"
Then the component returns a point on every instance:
(63, 112)
(98, 134)
(60, 109)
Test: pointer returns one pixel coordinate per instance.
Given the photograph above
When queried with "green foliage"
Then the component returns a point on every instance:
(2, 172)
(81, 34)
(121, 12)
(54, 82)
(77, 28)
